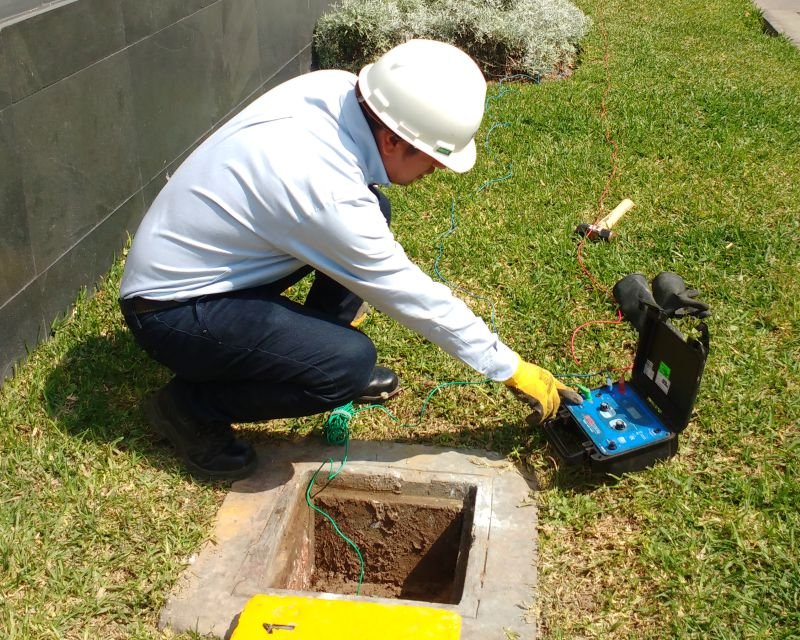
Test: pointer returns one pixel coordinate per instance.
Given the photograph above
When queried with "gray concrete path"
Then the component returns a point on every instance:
(782, 16)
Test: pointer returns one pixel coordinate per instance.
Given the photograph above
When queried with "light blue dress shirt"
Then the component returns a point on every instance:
(284, 184)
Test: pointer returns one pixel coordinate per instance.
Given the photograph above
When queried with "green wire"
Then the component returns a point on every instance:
(336, 528)
(446, 384)
(337, 432)
(337, 427)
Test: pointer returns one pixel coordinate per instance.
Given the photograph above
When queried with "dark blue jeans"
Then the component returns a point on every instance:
(255, 355)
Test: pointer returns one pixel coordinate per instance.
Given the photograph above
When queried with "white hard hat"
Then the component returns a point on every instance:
(432, 95)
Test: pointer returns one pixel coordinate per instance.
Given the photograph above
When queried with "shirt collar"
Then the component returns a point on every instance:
(356, 125)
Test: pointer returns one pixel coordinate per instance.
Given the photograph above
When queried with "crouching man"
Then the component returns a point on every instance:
(286, 187)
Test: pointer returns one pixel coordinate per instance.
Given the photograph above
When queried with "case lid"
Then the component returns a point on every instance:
(668, 367)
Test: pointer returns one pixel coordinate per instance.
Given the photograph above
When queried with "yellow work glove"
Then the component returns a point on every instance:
(538, 388)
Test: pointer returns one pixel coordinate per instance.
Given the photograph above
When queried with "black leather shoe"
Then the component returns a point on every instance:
(383, 384)
(209, 452)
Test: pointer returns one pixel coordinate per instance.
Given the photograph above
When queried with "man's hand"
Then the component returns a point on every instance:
(538, 388)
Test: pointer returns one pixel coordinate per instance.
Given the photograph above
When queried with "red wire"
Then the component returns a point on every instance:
(588, 273)
(601, 202)
(604, 107)
(587, 324)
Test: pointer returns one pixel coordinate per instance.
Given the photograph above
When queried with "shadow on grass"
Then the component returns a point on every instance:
(575, 478)
(515, 441)
(96, 390)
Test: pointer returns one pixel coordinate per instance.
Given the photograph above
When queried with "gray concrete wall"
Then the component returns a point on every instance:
(99, 101)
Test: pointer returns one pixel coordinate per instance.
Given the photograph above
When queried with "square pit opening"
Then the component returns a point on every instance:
(414, 537)
(267, 541)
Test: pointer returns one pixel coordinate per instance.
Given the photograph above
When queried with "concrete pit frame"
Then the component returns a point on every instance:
(437, 527)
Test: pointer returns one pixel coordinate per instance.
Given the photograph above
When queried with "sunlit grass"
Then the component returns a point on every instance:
(97, 521)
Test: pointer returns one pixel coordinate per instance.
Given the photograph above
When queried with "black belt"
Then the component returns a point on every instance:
(143, 305)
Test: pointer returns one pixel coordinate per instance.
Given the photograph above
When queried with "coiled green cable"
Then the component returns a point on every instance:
(336, 429)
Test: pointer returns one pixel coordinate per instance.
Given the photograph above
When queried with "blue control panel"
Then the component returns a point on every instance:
(616, 420)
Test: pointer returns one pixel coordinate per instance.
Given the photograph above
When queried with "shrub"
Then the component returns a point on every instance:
(505, 37)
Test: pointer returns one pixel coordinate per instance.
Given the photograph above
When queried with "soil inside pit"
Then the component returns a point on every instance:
(410, 546)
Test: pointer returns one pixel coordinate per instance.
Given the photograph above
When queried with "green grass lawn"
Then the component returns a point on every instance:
(97, 520)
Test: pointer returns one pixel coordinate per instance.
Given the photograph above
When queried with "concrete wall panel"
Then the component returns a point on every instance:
(16, 254)
(21, 326)
(78, 161)
(283, 31)
(86, 260)
(53, 45)
(143, 18)
(176, 75)
(241, 62)
(100, 100)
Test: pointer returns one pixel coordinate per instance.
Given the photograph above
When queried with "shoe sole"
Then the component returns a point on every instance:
(383, 397)
(163, 428)
(198, 473)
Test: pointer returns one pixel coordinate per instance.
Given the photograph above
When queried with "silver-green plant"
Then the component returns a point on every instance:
(533, 37)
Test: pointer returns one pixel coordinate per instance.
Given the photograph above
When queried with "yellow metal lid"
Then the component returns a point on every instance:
(321, 618)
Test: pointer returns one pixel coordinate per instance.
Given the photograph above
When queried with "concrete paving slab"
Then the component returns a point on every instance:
(782, 17)
(500, 574)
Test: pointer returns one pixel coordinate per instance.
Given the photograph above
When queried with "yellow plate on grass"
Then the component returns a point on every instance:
(268, 617)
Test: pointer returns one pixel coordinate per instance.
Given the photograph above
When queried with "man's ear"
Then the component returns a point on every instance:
(389, 143)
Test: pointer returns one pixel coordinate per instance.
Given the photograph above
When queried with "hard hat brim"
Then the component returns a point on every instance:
(459, 161)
